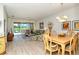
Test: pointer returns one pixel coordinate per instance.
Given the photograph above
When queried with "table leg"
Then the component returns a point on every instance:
(63, 49)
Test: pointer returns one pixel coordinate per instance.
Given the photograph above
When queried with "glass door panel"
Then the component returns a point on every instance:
(19, 27)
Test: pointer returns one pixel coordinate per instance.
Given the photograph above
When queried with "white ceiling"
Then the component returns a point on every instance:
(34, 11)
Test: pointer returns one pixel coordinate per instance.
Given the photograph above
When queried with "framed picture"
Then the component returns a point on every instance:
(66, 25)
(76, 25)
(41, 25)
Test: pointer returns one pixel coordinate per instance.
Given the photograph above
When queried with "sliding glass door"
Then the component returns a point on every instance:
(16, 27)
(21, 26)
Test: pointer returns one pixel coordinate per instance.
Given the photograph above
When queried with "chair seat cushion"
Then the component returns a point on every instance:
(68, 48)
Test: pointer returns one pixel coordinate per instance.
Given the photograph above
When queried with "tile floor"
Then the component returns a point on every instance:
(22, 45)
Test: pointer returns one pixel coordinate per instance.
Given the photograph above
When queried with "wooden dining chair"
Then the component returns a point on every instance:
(72, 46)
(50, 46)
(76, 37)
(44, 38)
(70, 32)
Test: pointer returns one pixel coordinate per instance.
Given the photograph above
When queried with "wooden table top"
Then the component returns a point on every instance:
(56, 38)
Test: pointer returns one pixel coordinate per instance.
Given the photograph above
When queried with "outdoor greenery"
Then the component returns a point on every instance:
(17, 29)
(22, 26)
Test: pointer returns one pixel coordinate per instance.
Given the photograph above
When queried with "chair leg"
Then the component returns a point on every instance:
(50, 53)
(45, 50)
(58, 51)
(70, 52)
(77, 47)
(74, 52)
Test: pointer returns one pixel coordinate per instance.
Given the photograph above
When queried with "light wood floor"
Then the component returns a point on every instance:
(26, 46)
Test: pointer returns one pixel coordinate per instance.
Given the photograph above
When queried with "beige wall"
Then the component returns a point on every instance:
(1, 20)
(72, 13)
(5, 18)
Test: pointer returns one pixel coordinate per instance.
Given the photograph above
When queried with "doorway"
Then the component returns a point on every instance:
(21, 27)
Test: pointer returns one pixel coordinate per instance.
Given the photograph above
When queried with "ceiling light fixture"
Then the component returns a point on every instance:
(62, 18)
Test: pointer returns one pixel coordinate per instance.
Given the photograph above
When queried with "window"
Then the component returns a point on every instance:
(20, 26)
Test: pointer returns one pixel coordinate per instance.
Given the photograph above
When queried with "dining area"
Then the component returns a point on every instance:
(61, 43)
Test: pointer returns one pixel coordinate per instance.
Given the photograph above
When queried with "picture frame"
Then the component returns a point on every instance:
(41, 25)
(66, 25)
(76, 25)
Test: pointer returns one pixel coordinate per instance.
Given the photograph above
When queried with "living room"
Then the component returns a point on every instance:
(23, 25)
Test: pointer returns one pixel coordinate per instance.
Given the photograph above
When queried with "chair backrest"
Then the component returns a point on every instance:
(70, 32)
(46, 41)
(73, 42)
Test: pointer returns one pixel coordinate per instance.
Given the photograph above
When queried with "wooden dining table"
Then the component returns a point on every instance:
(63, 41)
